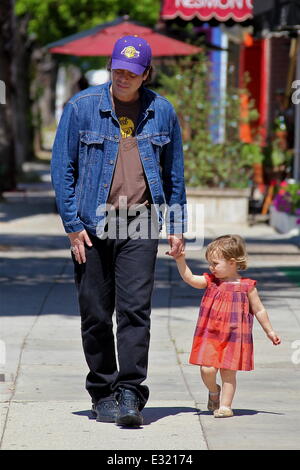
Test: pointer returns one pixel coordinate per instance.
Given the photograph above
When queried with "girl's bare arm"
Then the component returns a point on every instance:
(199, 282)
(261, 314)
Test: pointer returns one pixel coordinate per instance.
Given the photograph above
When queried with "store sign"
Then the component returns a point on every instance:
(205, 10)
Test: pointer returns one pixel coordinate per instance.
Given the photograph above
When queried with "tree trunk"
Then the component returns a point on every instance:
(16, 130)
(21, 71)
(7, 154)
(49, 69)
(44, 94)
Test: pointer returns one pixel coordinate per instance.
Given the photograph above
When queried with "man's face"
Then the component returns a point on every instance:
(125, 84)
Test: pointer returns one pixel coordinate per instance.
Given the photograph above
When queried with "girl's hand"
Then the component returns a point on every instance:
(274, 338)
(176, 243)
(176, 256)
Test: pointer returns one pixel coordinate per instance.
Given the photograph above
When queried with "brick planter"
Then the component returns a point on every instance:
(221, 206)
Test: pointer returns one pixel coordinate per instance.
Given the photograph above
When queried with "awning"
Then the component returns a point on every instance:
(206, 10)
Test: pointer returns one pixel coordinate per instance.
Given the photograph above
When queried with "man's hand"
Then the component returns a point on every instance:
(176, 244)
(77, 240)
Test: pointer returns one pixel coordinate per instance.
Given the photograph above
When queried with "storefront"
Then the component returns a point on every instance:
(264, 51)
(224, 23)
(278, 23)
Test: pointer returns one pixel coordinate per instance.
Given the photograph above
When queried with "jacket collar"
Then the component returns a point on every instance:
(105, 105)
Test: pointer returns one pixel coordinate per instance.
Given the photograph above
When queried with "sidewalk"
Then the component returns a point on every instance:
(43, 401)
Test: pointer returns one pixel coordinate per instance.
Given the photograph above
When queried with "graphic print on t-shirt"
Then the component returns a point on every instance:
(127, 127)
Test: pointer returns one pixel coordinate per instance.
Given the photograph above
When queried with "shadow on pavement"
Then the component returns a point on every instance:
(150, 414)
(13, 211)
(24, 278)
(33, 242)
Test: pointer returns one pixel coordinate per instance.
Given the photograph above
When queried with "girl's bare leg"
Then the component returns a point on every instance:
(208, 375)
(228, 387)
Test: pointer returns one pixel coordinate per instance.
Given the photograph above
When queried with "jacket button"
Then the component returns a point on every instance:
(111, 162)
(116, 137)
(105, 185)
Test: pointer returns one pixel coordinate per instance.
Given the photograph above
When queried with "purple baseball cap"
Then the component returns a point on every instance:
(131, 53)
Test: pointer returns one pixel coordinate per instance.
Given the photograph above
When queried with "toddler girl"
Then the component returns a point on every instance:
(223, 335)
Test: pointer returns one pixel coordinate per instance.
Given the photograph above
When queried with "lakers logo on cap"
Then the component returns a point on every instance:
(130, 52)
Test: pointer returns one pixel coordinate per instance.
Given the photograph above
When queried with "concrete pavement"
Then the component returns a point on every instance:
(43, 401)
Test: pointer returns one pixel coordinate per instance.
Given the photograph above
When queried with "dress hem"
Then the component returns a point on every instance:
(219, 367)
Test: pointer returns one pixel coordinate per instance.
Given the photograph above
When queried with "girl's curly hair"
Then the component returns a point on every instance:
(229, 247)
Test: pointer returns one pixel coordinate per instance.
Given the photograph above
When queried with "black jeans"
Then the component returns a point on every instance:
(118, 275)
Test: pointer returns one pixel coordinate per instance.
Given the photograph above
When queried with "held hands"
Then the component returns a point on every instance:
(177, 246)
(274, 338)
(77, 240)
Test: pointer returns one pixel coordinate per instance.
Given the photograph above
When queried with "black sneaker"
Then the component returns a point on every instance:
(128, 412)
(105, 410)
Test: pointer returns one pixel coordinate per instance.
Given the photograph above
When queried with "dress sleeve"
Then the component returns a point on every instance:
(250, 284)
(209, 278)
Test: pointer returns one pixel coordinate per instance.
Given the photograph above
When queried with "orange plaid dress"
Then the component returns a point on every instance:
(223, 335)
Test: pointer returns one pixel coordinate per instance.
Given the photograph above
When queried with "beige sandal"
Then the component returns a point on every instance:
(213, 405)
(223, 412)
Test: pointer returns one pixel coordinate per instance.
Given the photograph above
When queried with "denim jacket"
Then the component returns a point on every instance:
(85, 151)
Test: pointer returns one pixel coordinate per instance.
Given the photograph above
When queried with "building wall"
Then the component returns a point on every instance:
(279, 66)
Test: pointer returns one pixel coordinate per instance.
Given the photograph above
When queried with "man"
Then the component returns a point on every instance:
(118, 146)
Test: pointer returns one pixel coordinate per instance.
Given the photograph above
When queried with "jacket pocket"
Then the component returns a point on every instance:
(159, 142)
(91, 147)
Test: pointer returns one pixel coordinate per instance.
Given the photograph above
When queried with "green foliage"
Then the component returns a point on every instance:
(227, 163)
(294, 190)
(252, 153)
(51, 20)
(276, 157)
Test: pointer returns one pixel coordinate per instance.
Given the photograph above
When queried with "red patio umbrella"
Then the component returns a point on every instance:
(99, 41)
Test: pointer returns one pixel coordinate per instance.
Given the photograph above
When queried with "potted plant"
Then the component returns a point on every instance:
(285, 209)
